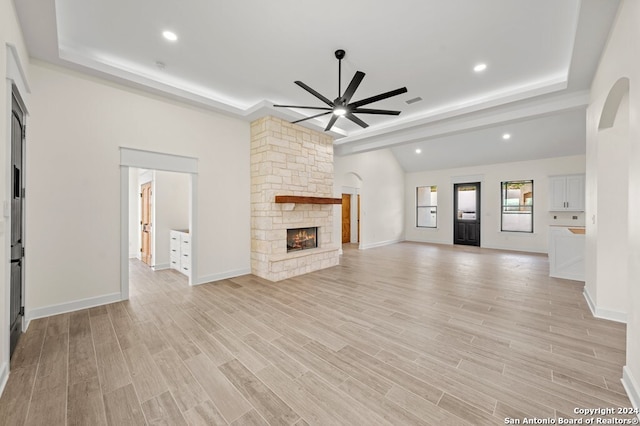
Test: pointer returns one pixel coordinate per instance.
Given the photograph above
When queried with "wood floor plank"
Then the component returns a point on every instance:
(183, 386)
(163, 410)
(378, 404)
(145, 374)
(85, 405)
(179, 340)
(276, 357)
(423, 409)
(245, 353)
(112, 369)
(16, 396)
(268, 404)
(152, 338)
(48, 407)
(52, 369)
(311, 361)
(122, 407)
(228, 399)
(295, 396)
(29, 346)
(467, 412)
(397, 376)
(58, 324)
(350, 367)
(478, 399)
(252, 418)
(204, 414)
(82, 356)
(337, 402)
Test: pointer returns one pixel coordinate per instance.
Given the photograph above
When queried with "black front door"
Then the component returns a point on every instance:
(466, 210)
(16, 310)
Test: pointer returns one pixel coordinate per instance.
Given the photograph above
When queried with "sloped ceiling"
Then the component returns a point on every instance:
(240, 58)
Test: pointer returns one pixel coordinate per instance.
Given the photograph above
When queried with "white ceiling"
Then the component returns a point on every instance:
(240, 58)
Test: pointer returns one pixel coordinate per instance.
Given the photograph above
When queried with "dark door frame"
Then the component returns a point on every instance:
(466, 231)
(17, 252)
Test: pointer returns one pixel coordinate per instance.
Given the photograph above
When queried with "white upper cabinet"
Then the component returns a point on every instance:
(566, 193)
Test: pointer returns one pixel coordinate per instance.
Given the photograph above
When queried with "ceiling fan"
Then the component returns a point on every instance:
(341, 106)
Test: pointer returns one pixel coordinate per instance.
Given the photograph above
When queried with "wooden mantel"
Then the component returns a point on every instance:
(306, 200)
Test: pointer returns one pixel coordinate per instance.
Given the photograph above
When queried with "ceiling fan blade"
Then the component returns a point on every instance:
(314, 93)
(313, 116)
(375, 111)
(332, 121)
(378, 97)
(356, 120)
(303, 107)
(355, 82)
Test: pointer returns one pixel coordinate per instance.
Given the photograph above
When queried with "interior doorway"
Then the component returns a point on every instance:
(350, 216)
(148, 160)
(466, 214)
(346, 218)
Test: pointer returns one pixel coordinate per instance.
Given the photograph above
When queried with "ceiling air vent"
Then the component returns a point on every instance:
(414, 100)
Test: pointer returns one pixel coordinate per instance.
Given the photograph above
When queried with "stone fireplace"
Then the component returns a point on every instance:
(291, 189)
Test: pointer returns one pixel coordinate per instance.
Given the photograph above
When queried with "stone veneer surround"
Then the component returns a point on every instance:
(287, 159)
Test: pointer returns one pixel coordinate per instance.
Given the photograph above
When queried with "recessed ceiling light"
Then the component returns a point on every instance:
(170, 35)
(418, 150)
(506, 136)
(480, 67)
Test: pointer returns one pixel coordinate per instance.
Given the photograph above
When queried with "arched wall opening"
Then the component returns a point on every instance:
(613, 145)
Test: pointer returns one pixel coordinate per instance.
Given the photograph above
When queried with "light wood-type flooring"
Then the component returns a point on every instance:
(407, 334)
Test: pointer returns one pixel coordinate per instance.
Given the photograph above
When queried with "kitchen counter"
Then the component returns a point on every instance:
(567, 252)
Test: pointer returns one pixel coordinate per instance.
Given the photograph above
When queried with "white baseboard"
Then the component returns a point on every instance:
(4, 376)
(603, 313)
(379, 244)
(587, 297)
(221, 276)
(161, 266)
(632, 388)
(75, 305)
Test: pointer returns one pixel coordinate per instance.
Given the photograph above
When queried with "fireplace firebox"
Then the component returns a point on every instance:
(302, 238)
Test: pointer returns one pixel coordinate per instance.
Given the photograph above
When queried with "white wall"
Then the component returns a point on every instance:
(134, 214)
(491, 177)
(78, 124)
(618, 61)
(382, 196)
(171, 211)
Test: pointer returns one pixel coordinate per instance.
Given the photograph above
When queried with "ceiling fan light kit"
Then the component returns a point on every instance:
(342, 105)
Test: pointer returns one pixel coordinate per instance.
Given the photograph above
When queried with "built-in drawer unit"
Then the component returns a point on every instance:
(180, 251)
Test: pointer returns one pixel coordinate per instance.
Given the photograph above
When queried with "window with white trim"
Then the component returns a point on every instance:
(427, 206)
(517, 206)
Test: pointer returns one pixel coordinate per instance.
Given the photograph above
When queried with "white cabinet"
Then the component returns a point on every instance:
(180, 251)
(566, 193)
(567, 253)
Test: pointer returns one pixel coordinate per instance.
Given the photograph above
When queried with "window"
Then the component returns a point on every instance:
(517, 206)
(427, 206)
